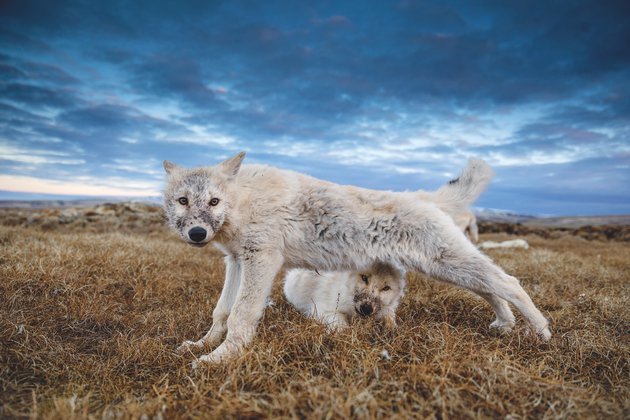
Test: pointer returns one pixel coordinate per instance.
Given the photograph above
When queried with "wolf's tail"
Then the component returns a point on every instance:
(458, 194)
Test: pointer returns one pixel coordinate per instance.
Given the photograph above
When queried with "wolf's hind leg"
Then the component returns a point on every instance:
(222, 310)
(470, 269)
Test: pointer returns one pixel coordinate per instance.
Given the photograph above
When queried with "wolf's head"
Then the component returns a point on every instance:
(377, 288)
(197, 201)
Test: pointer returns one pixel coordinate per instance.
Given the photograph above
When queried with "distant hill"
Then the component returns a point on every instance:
(83, 202)
(502, 216)
(103, 217)
(573, 222)
(568, 222)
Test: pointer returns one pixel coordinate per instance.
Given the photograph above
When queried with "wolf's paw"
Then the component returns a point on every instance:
(542, 333)
(188, 347)
(210, 359)
(201, 361)
(221, 354)
(502, 327)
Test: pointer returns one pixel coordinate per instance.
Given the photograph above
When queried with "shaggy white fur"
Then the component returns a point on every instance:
(265, 219)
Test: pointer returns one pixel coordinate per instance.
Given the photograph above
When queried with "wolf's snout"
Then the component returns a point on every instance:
(365, 309)
(197, 234)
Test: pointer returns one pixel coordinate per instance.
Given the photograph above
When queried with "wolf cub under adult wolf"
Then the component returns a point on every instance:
(335, 298)
(265, 219)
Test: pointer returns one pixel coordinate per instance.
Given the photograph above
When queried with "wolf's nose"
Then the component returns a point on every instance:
(365, 309)
(197, 234)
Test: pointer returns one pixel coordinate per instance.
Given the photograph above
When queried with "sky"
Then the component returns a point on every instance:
(392, 95)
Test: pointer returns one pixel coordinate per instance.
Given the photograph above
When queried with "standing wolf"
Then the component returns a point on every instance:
(265, 219)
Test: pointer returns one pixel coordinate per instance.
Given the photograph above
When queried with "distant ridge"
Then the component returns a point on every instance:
(504, 216)
(82, 202)
(569, 222)
(574, 222)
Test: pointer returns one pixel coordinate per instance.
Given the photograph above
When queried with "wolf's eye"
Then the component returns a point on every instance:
(386, 288)
(183, 201)
(214, 201)
(364, 278)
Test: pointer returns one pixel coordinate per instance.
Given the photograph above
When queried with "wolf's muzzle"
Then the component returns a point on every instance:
(197, 234)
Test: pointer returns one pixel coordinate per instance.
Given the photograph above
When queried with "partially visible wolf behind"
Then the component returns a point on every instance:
(467, 222)
(266, 219)
(335, 298)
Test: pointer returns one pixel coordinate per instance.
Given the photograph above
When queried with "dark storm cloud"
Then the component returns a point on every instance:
(115, 118)
(11, 39)
(13, 114)
(105, 131)
(34, 96)
(174, 76)
(39, 72)
(9, 72)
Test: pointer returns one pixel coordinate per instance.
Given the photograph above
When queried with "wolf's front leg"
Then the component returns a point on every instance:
(222, 310)
(258, 272)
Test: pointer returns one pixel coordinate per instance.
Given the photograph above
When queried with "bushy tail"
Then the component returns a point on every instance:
(461, 192)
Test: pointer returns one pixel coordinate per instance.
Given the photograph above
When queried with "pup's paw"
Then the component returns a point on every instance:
(389, 323)
(335, 327)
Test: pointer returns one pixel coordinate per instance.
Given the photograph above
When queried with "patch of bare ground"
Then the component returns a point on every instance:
(90, 317)
(614, 232)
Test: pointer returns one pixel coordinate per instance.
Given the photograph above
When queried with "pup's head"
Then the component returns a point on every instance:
(378, 288)
(197, 201)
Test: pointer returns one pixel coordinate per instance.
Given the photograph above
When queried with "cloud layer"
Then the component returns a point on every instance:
(380, 94)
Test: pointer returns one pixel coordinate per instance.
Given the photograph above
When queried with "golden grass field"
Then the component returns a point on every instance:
(90, 317)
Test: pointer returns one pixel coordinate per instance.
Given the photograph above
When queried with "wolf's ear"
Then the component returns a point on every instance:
(170, 167)
(231, 166)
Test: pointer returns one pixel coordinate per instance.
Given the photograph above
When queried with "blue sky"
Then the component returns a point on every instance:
(389, 95)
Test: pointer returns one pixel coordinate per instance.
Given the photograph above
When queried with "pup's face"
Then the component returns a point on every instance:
(377, 288)
(197, 201)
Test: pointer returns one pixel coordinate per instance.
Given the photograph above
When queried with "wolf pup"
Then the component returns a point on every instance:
(335, 298)
(265, 219)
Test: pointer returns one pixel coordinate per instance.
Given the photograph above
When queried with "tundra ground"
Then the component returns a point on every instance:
(90, 318)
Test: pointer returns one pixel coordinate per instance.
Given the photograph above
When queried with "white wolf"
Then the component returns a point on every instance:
(335, 298)
(265, 219)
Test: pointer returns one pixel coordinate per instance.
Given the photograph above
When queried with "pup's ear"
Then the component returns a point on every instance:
(170, 167)
(231, 166)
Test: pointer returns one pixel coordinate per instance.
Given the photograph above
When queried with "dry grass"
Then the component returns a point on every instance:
(89, 321)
